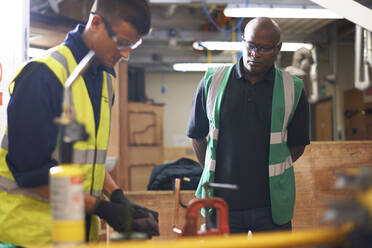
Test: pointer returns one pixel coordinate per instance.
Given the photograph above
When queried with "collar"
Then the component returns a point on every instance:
(79, 49)
(239, 72)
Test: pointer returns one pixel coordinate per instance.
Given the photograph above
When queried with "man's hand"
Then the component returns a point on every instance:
(118, 196)
(148, 225)
(115, 215)
(119, 217)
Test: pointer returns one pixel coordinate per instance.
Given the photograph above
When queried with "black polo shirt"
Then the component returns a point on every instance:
(244, 136)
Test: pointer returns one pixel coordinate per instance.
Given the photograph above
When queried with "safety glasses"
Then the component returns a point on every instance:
(259, 49)
(120, 43)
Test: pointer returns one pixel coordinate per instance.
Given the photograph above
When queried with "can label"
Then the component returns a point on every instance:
(67, 198)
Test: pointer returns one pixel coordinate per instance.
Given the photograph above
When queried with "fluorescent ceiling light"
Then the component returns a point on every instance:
(294, 46)
(36, 52)
(239, 10)
(237, 46)
(197, 66)
(218, 45)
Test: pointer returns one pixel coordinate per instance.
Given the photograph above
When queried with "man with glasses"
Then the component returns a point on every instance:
(28, 150)
(257, 118)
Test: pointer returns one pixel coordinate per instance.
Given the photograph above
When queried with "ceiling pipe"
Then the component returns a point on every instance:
(363, 43)
(314, 97)
(170, 11)
(362, 17)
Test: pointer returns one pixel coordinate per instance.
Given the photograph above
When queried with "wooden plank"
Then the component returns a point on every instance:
(163, 203)
(142, 128)
(145, 155)
(355, 121)
(323, 118)
(139, 176)
(124, 140)
(148, 118)
(316, 172)
(118, 140)
(113, 146)
(175, 153)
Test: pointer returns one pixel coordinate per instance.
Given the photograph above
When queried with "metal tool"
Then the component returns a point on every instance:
(195, 205)
(70, 130)
(208, 186)
(66, 181)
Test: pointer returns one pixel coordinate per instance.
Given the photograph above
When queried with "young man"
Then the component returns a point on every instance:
(257, 120)
(114, 28)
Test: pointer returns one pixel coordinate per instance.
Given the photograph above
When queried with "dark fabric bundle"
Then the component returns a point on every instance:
(162, 176)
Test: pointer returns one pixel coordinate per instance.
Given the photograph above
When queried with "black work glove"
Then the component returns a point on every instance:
(118, 216)
(148, 225)
(118, 196)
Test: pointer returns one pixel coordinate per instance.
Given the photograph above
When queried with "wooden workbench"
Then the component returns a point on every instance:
(315, 173)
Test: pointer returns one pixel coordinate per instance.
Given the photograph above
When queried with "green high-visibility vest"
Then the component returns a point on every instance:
(286, 94)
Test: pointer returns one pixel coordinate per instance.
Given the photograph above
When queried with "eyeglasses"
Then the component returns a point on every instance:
(120, 44)
(260, 49)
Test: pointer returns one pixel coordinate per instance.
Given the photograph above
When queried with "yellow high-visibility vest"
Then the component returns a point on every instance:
(25, 217)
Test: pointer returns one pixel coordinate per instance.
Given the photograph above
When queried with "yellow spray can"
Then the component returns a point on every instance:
(67, 202)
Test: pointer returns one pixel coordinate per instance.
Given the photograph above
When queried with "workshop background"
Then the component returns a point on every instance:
(153, 96)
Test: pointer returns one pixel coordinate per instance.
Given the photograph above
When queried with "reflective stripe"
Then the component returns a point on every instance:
(209, 162)
(4, 142)
(289, 96)
(96, 193)
(71, 100)
(278, 137)
(11, 187)
(278, 169)
(213, 89)
(84, 156)
(213, 132)
(212, 165)
(61, 59)
(87, 156)
(109, 89)
(211, 99)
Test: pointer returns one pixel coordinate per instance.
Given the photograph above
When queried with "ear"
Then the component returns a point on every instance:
(95, 22)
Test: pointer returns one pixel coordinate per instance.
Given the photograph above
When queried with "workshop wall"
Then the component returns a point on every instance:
(176, 91)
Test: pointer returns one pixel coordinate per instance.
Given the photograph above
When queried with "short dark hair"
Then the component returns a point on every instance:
(135, 12)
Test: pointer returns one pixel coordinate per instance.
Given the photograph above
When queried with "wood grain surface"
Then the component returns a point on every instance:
(316, 172)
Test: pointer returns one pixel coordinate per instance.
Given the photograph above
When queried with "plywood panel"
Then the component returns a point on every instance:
(139, 176)
(323, 121)
(175, 153)
(146, 123)
(142, 128)
(355, 121)
(145, 155)
(316, 172)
